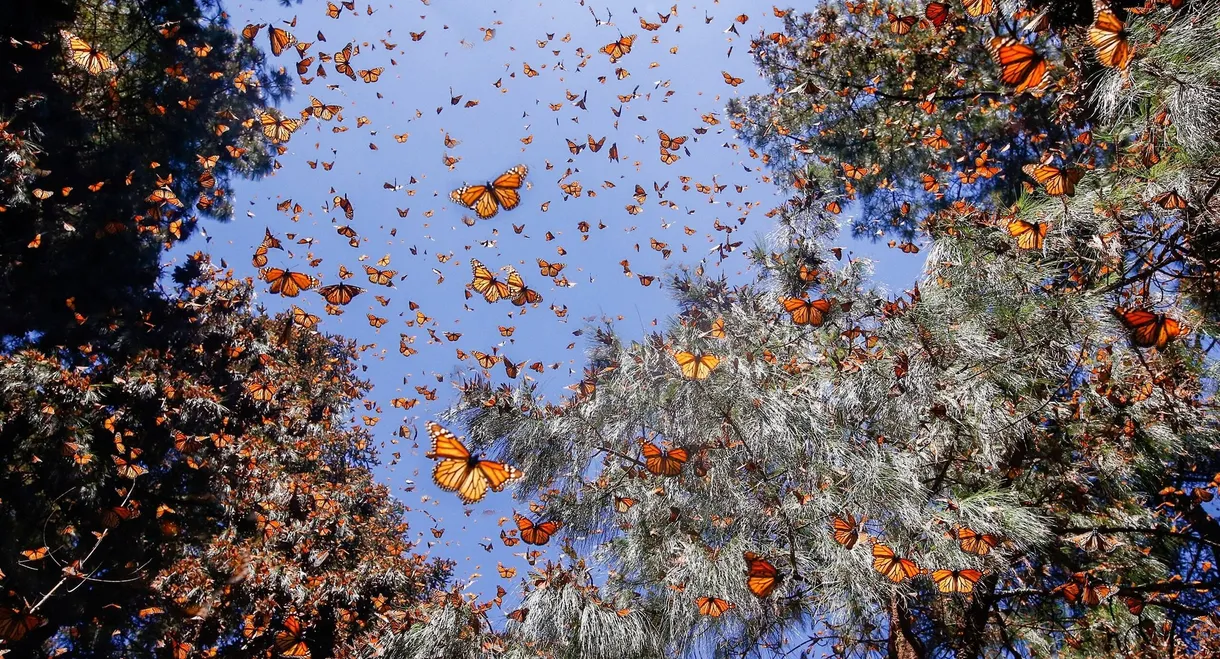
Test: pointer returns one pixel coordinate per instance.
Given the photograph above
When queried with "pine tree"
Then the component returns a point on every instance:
(195, 485)
(119, 123)
(1014, 457)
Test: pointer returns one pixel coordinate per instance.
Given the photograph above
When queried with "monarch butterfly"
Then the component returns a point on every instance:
(550, 269)
(380, 277)
(669, 158)
(86, 56)
(340, 294)
(536, 534)
(892, 566)
(670, 143)
(696, 366)
(846, 531)
(596, 145)
(853, 172)
(937, 12)
(1150, 329)
(617, 49)
(115, 515)
(1020, 66)
(288, 640)
(807, 312)
(343, 61)
(976, 8)
(371, 75)
(713, 606)
(459, 471)
(261, 391)
(323, 111)
(287, 282)
(485, 360)
(973, 542)
(520, 293)
(901, 25)
(485, 282)
(163, 197)
(623, 504)
(1170, 200)
(343, 202)
(730, 80)
(1081, 589)
(1029, 235)
(14, 624)
(663, 463)
(1109, 37)
(280, 39)
(956, 581)
(1057, 181)
(483, 199)
(259, 258)
(251, 30)
(761, 576)
(278, 129)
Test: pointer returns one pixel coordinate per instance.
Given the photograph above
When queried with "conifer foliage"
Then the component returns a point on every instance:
(1013, 457)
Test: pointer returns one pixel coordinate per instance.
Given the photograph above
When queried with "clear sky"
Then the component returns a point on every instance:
(518, 119)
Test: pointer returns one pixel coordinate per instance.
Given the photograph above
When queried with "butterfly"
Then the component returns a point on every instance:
(15, 624)
(459, 471)
(371, 75)
(956, 581)
(623, 504)
(261, 391)
(485, 360)
(901, 24)
(323, 111)
(1057, 181)
(894, 567)
(340, 294)
(1029, 235)
(280, 39)
(937, 12)
(670, 143)
(533, 533)
(1021, 67)
(1081, 589)
(617, 49)
(663, 463)
(761, 576)
(1150, 329)
(713, 606)
(976, 8)
(483, 199)
(278, 129)
(485, 282)
(548, 269)
(730, 80)
(86, 56)
(596, 145)
(973, 542)
(251, 30)
(288, 640)
(696, 366)
(287, 282)
(1109, 37)
(846, 531)
(1170, 200)
(343, 61)
(380, 277)
(807, 312)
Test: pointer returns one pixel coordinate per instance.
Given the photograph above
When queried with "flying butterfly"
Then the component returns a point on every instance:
(520, 294)
(486, 200)
(1149, 329)
(956, 581)
(287, 282)
(288, 641)
(486, 284)
(696, 366)
(661, 462)
(460, 471)
(937, 12)
(280, 39)
(670, 143)
(901, 25)
(1021, 67)
(1058, 181)
(278, 129)
(730, 80)
(340, 294)
(548, 269)
(977, 8)
(892, 566)
(617, 49)
(535, 533)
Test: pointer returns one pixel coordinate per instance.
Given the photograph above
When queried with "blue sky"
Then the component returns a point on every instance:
(453, 57)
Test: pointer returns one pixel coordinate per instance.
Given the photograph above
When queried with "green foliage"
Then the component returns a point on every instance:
(83, 151)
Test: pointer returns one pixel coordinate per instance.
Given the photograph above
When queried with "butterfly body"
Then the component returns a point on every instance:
(461, 471)
(486, 200)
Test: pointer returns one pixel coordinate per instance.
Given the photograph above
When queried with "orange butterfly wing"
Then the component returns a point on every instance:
(761, 576)
(891, 565)
(956, 581)
(1021, 66)
(1029, 235)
